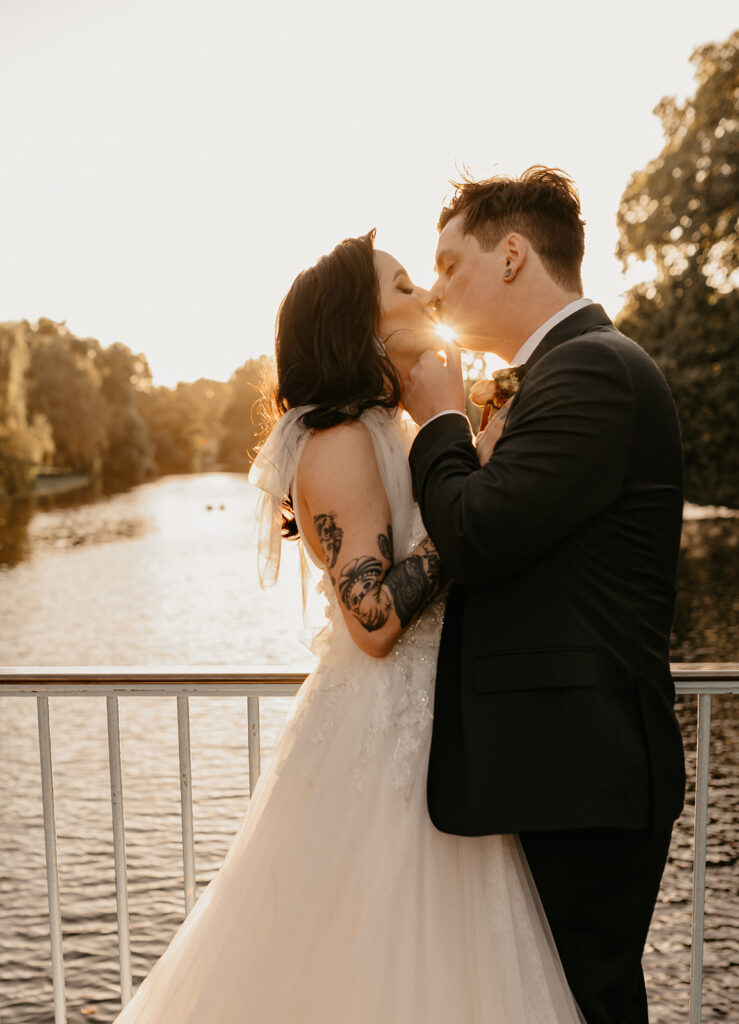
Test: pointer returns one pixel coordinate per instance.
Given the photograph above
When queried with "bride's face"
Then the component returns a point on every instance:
(406, 320)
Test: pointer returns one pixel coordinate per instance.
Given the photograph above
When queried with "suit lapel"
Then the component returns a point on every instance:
(579, 322)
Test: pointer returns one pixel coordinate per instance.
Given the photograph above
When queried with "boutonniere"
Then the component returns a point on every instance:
(493, 394)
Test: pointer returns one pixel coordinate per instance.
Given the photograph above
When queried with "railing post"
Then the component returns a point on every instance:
(119, 848)
(699, 856)
(188, 839)
(255, 742)
(52, 869)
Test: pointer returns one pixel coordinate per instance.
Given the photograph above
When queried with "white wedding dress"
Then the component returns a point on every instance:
(339, 902)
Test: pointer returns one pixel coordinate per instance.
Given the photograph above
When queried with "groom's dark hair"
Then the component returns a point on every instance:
(542, 205)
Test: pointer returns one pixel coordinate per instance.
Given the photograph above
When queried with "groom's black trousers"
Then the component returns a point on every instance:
(598, 888)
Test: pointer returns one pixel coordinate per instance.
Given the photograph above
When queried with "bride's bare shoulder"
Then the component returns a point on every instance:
(338, 453)
(350, 439)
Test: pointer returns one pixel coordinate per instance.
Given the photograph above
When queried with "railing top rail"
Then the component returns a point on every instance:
(236, 673)
(105, 680)
(267, 680)
(152, 674)
(705, 670)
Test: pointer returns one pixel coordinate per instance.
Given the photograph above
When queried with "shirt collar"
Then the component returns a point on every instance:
(533, 340)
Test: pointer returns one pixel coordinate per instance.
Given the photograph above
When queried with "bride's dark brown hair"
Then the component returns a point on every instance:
(327, 352)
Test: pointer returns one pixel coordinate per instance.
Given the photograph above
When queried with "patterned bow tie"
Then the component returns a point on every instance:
(493, 394)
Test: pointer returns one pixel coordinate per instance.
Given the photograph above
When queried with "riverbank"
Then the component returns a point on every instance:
(51, 483)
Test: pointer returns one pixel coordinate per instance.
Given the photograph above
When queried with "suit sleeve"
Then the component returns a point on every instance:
(561, 460)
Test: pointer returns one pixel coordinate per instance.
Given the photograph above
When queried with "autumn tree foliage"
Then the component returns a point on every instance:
(681, 212)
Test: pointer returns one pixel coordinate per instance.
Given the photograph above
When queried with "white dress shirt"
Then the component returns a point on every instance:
(527, 349)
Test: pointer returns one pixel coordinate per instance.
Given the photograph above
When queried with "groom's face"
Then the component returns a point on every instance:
(468, 292)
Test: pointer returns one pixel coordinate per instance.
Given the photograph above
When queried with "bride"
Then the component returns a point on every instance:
(339, 902)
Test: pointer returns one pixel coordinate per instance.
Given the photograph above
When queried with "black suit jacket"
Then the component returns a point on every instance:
(554, 701)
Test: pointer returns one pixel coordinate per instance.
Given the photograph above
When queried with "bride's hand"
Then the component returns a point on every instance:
(435, 384)
(489, 437)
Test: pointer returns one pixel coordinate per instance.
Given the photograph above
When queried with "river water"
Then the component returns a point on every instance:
(166, 574)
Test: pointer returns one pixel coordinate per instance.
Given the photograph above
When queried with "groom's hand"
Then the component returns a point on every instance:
(435, 384)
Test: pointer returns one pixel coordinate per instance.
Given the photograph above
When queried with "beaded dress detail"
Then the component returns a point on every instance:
(339, 902)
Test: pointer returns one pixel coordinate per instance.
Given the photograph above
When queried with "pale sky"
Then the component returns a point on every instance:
(168, 166)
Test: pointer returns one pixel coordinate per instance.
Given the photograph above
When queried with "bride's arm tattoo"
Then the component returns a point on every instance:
(329, 537)
(415, 581)
(361, 590)
(370, 594)
(385, 541)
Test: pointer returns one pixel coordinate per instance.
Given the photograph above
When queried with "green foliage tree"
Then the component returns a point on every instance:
(682, 213)
(24, 446)
(175, 424)
(210, 398)
(244, 418)
(23, 453)
(64, 384)
(89, 394)
(127, 458)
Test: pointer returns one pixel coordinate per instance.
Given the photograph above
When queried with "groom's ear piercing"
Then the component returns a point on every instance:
(508, 272)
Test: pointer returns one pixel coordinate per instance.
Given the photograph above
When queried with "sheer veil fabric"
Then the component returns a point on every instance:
(339, 902)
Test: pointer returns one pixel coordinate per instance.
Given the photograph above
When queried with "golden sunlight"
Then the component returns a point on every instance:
(445, 333)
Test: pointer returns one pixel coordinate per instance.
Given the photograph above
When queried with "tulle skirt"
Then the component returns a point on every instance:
(340, 903)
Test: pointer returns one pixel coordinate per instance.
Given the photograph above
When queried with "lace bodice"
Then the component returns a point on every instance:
(396, 692)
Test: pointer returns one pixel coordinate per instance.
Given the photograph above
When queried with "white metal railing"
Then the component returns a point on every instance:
(704, 681)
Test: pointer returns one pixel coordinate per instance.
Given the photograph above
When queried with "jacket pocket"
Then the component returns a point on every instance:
(550, 668)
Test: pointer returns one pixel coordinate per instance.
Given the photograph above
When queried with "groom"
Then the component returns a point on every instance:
(554, 702)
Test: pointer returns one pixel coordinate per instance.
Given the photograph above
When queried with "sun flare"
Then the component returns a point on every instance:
(445, 333)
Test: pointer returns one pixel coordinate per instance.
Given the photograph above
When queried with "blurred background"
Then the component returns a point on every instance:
(168, 168)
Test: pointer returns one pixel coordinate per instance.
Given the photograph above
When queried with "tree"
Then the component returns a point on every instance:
(682, 213)
(89, 394)
(210, 398)
(244, 420)
(123, 375)
(175, 427)
(24, 446)
(64, 385)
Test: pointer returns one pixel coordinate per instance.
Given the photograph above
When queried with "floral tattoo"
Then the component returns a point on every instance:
(369, 589)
